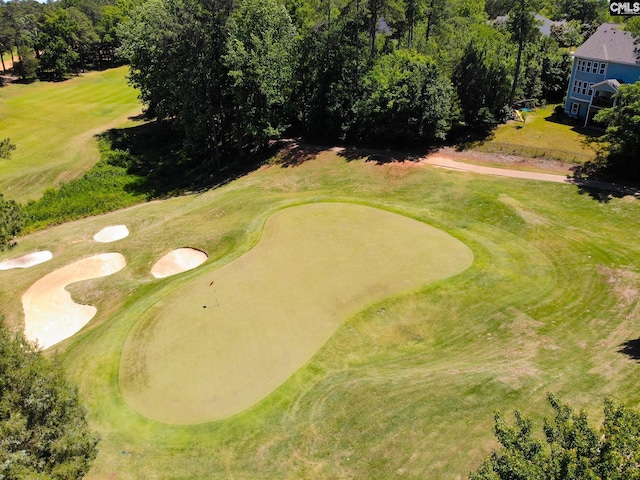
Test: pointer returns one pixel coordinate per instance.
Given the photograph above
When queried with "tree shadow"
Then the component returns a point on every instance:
(631, 348)
(596, 180)
(382, 157)
(591, 131)
(153, 151)
(293, 154)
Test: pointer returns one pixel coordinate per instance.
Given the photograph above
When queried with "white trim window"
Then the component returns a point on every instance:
(575, 108)
(581, 87)
(588, 66)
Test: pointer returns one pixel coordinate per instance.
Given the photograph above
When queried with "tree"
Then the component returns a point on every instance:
(330, 64)
(259, 58)
(43, 430)
(11, 221)
(523, 28)
(482, 79)
(176, 49)
(556, 70)
(56, 42)
(406, 99)
(571, 448)
(621, 140)
(6, 147)
(585, 11)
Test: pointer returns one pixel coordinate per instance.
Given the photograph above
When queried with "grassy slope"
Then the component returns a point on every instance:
(53, 127)
(542, 131)
(407, 386)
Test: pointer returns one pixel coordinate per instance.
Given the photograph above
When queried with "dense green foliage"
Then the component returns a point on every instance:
(106, 187)
(43, 430)
(230, 76)
(406, 99)
(573, 448)
(6, 147)
(11, 221)
(54, 39)
(621, 140)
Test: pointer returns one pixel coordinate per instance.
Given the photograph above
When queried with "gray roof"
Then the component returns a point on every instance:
(612, 83)
(611, 44)
(546, 24)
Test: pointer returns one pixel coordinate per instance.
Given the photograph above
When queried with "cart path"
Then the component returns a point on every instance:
(438, 160)
(442, 161)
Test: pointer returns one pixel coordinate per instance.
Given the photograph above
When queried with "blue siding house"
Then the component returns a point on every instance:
(607, 59)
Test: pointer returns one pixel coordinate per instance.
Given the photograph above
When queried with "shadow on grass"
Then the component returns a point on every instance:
(601, 183)
(577, 125)
(631, 348)
(293, 154)
(153, 151)
(382, 157)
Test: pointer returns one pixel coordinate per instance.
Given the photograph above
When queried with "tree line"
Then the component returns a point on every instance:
(230, 75)
(53, 40)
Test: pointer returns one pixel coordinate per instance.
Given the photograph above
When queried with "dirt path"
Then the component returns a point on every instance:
(443, 160)
(451, 159)
(438, 160)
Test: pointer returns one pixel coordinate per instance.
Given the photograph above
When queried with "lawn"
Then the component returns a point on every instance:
(406, 385)
(541, 134)
(53, 125)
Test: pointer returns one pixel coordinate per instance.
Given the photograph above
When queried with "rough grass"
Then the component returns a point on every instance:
(543, 131)
(53, 127)
(406, 386)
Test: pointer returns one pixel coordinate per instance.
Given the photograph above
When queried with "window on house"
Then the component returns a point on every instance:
(588, 67)
(590, 92)
(575, 108)
(581, 65)
(602, 67)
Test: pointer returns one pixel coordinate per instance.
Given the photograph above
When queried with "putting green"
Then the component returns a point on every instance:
(271, 310)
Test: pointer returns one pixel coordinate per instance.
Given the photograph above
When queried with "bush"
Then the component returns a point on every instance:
(43, 430)
(11, 221)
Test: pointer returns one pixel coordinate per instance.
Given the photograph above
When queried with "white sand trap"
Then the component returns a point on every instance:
(26, 261)
(178, 261)
(50, 315)
(111, 234)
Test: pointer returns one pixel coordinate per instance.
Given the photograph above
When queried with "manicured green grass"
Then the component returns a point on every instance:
(406, 386)
(208, 352)
(53, 127)
(543, 132)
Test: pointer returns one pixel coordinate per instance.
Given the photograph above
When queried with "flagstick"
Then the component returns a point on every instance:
(215, 292)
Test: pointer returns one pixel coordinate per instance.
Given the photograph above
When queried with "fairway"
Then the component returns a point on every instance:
(53, 124)
(202, 354)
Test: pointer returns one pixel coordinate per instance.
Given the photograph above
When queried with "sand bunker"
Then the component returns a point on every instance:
(177, 261)
(111, 234)
(26, 261)
(50, 315)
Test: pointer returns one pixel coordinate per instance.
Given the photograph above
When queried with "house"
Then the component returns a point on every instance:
(607, 59)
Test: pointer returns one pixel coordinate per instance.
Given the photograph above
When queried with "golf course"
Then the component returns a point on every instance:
(345, 316)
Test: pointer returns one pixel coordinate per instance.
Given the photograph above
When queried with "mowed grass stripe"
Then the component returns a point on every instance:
(408, 392)
(53, 127)
(203, 354)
